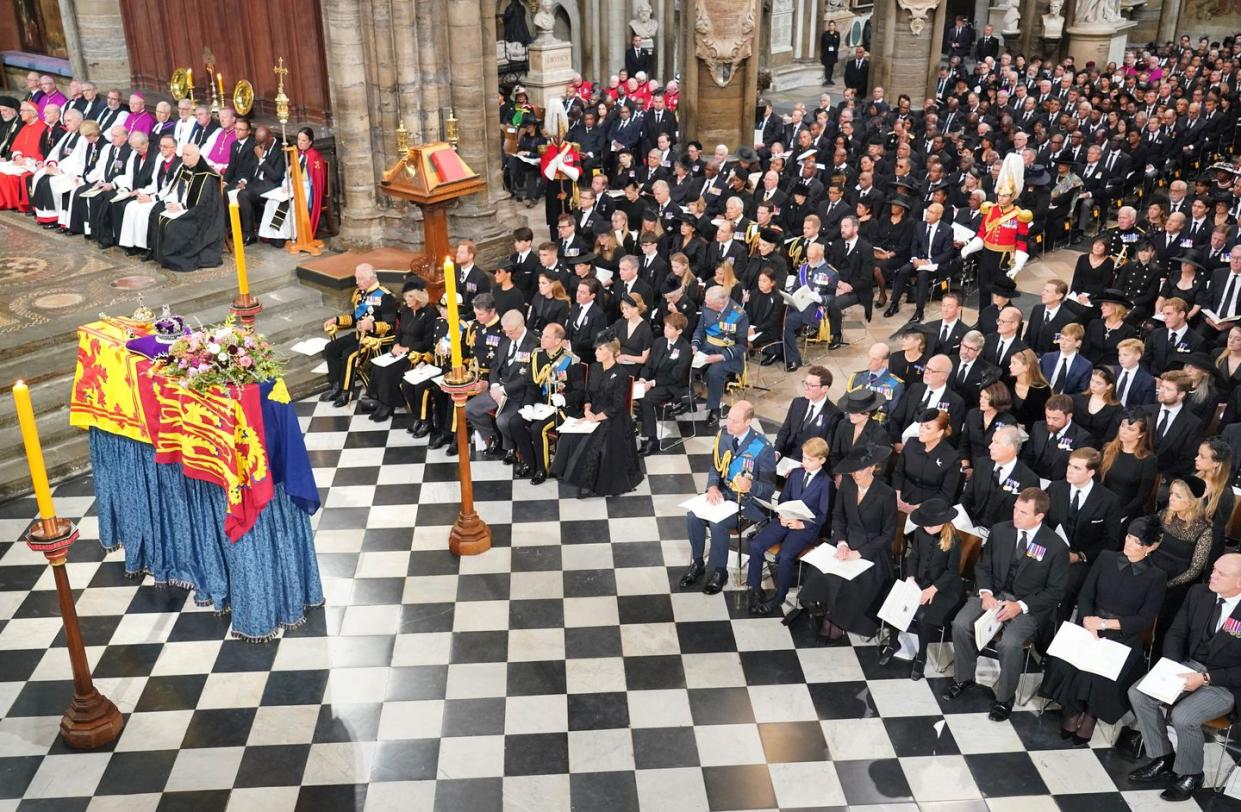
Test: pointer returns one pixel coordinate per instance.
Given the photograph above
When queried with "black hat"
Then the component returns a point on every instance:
(1115, 297)
(860, 400)
(1197, 359)
(1005, 287)
(686, 161)
(933, 512)
(1188, 259)
(1037, 175)
(861, 457)
(801, 188)
(687, 217)
(9, 101)
(901, 184)
(902, 201)
(747, 154)
(671, 283)
(530, 118)
(927, 415)
(942, 183)
(584, 258)
(506, 266)
(1196, 486)
(602, 226)
(604, 337)
(1145, 528)
(413, 282)
(771, 235)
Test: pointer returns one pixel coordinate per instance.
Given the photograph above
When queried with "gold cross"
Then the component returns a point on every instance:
(280, 71)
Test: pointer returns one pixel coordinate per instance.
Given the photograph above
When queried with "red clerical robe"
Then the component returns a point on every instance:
(317, 170)
(27, 144)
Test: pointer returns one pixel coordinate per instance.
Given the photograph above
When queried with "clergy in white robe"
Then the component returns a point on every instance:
(150, 199)
(58, 172)
(100, 181)
(184, 129)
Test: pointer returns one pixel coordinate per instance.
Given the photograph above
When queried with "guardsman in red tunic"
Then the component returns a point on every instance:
(1003, 231)
(560, 165)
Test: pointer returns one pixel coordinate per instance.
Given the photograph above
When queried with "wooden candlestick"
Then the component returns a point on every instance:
(470, 535)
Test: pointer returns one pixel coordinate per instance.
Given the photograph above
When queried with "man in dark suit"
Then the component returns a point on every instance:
(959, 39)
(971, 373)
(1023, 571)
(1176, 336)
(1177, 429)
(947, 331)
(241, 158)
(509, 381)
(1004, 342)
(1134, 385)
(627, 283)
(1066, 368)
(471, 280)
(932, 249)
(997, 479)
(988, 45)
(857, 72)
(1206, 638)
(810, 415)
(1225, 295)
(656, 122)
(637, 58)
(1048, 317)
(666, 372)
(854, 258)
(932, 392)
(1090, 516)
(268, 173)
(586, 320)
(1054, 438)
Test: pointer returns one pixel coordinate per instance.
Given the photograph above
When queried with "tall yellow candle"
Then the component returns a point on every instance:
(219, 78)
(239, 249)
(34, 451)
(454, 314)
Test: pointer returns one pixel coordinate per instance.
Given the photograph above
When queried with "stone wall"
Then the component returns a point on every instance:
(100, 53)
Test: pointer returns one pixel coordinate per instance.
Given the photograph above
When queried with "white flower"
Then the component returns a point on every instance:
(223, 357)
(213, 348)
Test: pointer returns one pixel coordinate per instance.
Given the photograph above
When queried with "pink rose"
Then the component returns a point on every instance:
(245, 362)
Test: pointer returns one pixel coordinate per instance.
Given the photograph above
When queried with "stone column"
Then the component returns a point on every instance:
(73, 43)
(909, 37)
(433, 90)
(347, 54)
(102, 56)
(721, 70)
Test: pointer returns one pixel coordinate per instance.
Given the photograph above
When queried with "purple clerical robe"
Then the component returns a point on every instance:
(55, 97)
(140, 122)
(221, 150)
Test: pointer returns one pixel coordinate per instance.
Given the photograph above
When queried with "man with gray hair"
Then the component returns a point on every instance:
(45, 196)
(720, 343)
(998, 479)
(371, 315)
(510, 387)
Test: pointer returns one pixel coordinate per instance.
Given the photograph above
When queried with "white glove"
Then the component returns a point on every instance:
(1019, 262)
(558, 400)
(970, 247)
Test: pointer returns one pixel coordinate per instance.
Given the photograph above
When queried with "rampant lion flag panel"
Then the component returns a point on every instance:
(216, 436)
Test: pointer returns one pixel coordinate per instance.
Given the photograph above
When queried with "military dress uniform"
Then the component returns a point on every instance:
(346, 351)
(482, 340)
(1121, 243)
(561, 384)
(726, 333)
(430, 405)
(1003, 231)
(889, 386)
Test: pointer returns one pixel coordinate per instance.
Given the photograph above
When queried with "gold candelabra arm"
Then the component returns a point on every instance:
(452, 129)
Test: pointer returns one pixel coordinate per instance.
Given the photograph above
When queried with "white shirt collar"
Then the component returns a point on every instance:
(1084, 490)
(1230, 605)
(1006, 470)
(815, 406)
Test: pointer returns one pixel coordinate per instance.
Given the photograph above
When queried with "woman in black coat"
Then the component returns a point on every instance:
(928, 466)
(1105, 333)
(765, 312)
(580, 457)
(863, 526)
(994, 405)
(859, 428)
(829, 51)
(1120, 600)
(550, 303)
(934, 564)
(415, 333)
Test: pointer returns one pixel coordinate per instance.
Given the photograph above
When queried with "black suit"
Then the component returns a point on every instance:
(668, 368)
(856, 267)
(910, 406)
(653, 124)
(989, 502)
(1095, 527)
(1159, 349)
(980, 374)
(638, 59)
(929, 242)
(1048, 459)
(266, 176)
(795, 431)
(510, 369)
(241, 161)
(992, 346)
(1040, 333)
(1178, 445)
(857, 75)
(581, 332)
(949, 345)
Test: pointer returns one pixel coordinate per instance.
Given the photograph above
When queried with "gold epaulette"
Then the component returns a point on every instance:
(1025, 216)
(986, 206)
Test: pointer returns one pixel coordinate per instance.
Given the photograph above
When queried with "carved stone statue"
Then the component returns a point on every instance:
(1053, 21)
(1098, 12)
(724, 38)
(917, 13)
(644, 25)
(545, 21)
(1012, 18)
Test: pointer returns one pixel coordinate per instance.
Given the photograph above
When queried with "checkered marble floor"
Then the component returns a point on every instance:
(560, 670)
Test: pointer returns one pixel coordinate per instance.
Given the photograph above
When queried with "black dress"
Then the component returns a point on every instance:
(868, 528)
(1131, 479)
(1183, 555)
(975, 437)
(1091, 280)
(1029, 411)
(908, 371)
(635, 344)
(929, 565)
(765, 312)
(1100, 343)
(1115, 588)
(579, 457)
(544, 311)
(415, 331)
(842, 439)
(1228, 380)
(922, 475)
(1103, 424)
(1192, 295)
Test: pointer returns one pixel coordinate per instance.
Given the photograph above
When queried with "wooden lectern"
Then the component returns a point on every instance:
(432, 176)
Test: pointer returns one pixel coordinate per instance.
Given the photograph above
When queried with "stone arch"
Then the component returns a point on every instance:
(568, 13)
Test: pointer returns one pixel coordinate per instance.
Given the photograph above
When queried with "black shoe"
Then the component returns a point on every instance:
(1156, 771)
(918, 670)
(713, 418)
(381, 414)
(681, 408)
(341, 400)
(1182, 789)
(918, 317)
(715, 583)
(539, 477)
(692, 575)
(886, 653)
(494, 450)
(451, 449)
(956, 689)
(1000, 711)
(366, 406)
(330, 394)
(522, 471)
(892, 310)
(792, 366)
(836, 344)
(438, 440)
(510, 457)
(421, 428)
(756, 601)
(647, 448)
(768, 360)
(1080, 741)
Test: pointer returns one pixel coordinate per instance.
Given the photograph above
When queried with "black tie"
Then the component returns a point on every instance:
(962, 372)
(1162, 428)
(1124, 386)
(809, 415)
(1062, 373)
(1073, 508)
(1022, 543)
(943, 334)
(1216, 613)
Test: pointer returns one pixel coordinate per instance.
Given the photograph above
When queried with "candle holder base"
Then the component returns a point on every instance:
(245, 307)
(91, 721)
(470, 535)
(52, 537)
